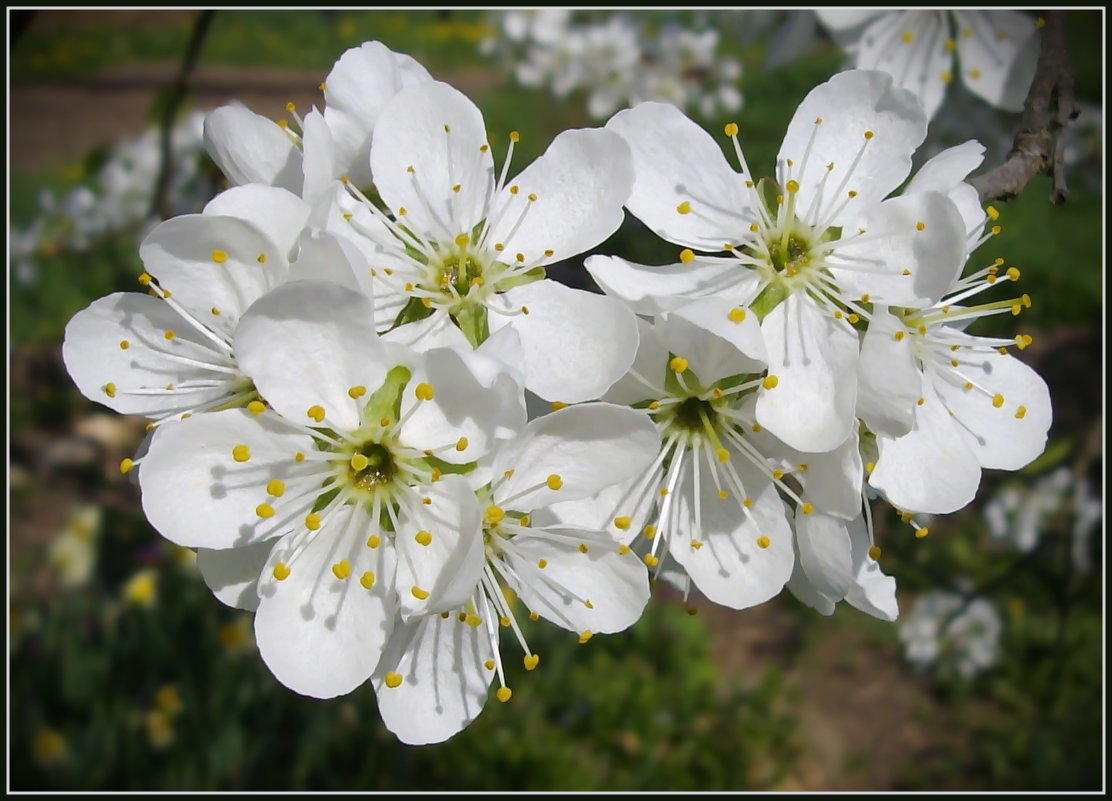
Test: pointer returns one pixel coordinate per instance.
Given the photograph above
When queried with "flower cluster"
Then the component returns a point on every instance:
(996, 51)
(617, 59)
(343, 357)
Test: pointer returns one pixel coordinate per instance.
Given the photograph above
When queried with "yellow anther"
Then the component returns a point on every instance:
(583, 547)
(219, 256)
(757, 428)
(532, 197)
(623, 549)
(696, 544)
(853, 318)
(169, 334)
(474, 621)
(124, 344)
(558, 405)
(920, 226)
(754, 227)
(792, 186)
(622, 522)
(275, 487)
(489, 664)
(521, 257)
(534, 616)
(922, 532)
(461, 444)
(1040, 23)
(648, 532)
(650, 560)
(264, 510)
(515, 136)
(110, 389)
(256, 407)
(684, 208)
(808, 508)
(898, 336)
(723, 494)
(554, 482)
(357, 391)
(974, 74)
(462, 239)
(435, 474)
(721, 454)
(907, 37)
(402, 211)
(874, 552)
(763, 541)
(770, 382)
(367, 580)
(946, 76)
(869, 134)
(418, 593)
(426, 500)
(214, 311)
(869, 466)
(968, 385)
(373, 541)
(384, 422)
(1020, 412)
(588, 604)
(542, 563)
(997, 400)
(241, 453)
(424, 392)
(654, 406)
(392, 680)
(1012, 273)
(663, 491)
(731, 129)
(316, 412)
(145, 279)
(423, 538)
(457, 187)
(359, 462)
(504, 694)
(281, 571)
(995, 230)
(777, 474)
(921, 401)
(736, 315)
(586, 635)
(341, 569)
(993, 214)
(299, 457)
(126, 465)
(312, 521)
(495, 515)
(531, 661)
(687, 255)
(678, 363)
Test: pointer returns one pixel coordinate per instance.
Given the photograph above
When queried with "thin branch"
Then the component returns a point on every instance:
(173, 99)
(1039, 145)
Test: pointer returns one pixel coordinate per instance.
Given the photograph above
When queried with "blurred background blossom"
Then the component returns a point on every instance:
(124, 675)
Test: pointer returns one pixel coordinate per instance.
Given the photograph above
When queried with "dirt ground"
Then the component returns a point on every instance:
(864, 716)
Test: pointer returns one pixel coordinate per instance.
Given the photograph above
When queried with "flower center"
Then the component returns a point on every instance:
(789, 255)
(375, 468)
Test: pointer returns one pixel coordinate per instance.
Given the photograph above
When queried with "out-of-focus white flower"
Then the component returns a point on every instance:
(1018, 515)
(73, 554)
(996, 50)
(618, 59)
(946, 632)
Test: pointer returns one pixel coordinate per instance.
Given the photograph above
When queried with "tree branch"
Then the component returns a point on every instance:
(1039, 145)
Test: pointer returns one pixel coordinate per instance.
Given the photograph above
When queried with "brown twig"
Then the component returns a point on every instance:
(174, 97)
(1039, 145)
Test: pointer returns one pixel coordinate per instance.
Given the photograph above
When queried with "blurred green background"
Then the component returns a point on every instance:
(125, 673)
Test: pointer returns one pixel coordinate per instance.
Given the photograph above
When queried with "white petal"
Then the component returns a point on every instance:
(198, 495)
(931, 468)
(319, 162)
(589, 446)
(361, 81)
(437, 131)
(888, 381)
(279, 214)
(213, 262)
(814, 359)
(576, 343)
(730, 567)
(999, 55)
(249, 148)
(800, 586)
(580, 184)
(320, 635)
(871, 591)
(121, 340)
(615, 584)
(999, 438)
(444, 679)
(922, 234)
(652, 290)
(475, 403)
(910, 45)
(326, 256)
(326, 339)
(824, 553)
(650, 365)
(716, 347)
(435, 331)
(850, 104)
(674, 162)
(233, 573)
(634, 498)
(449, 567)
